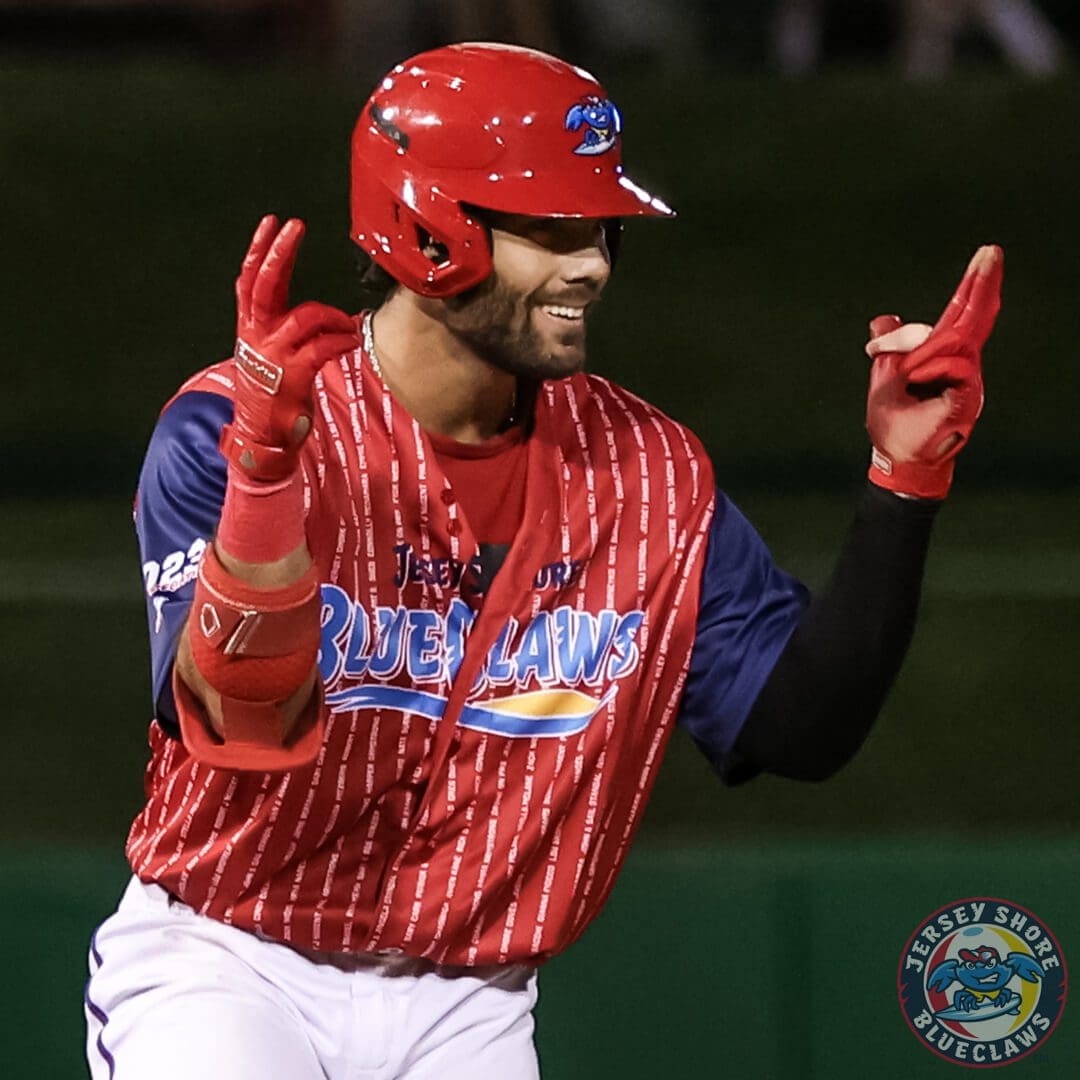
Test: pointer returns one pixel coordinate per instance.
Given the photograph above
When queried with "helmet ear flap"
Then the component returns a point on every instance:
(420, 236)
(455, 246)
(439, 252)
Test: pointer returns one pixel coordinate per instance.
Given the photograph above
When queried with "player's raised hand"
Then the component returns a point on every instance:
(926, 384)
(279, 351)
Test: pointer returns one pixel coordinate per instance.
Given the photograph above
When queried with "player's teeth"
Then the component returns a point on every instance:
(563, 312)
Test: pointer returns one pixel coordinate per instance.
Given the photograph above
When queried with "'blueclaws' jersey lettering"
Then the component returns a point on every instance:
(557, 651)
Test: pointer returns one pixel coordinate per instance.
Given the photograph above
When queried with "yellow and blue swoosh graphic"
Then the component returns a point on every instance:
(533, 714)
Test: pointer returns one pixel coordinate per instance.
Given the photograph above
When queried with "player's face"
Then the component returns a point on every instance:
(528, 318)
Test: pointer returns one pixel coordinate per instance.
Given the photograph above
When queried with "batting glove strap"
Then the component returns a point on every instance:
(915, 479)
(236, 619)
(257, 461)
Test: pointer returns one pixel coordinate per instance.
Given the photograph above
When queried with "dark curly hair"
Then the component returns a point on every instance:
(376, 284)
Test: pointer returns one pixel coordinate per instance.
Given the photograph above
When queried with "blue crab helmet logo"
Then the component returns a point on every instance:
(602, 123)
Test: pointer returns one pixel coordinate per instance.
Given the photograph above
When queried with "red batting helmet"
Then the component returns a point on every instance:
(492, 126)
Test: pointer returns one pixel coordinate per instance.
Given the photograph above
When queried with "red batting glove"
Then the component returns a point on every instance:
(923, 404)
(278, 354)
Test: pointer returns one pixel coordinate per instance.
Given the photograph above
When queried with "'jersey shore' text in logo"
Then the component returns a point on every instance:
(982, 982)
(454, 573)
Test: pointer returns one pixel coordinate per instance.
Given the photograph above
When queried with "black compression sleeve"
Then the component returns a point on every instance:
(829, 683)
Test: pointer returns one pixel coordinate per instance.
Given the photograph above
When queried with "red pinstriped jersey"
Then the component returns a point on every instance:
(483, 771)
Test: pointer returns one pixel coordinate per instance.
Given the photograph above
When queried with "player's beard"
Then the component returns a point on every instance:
(500, 325)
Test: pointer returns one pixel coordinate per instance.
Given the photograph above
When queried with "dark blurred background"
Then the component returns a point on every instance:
(829, 161)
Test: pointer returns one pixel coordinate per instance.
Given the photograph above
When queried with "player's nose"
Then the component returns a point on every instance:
(589, 265)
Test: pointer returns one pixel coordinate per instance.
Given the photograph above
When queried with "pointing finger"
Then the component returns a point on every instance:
(977, 319)
(973, 308)
(270, 294)
(956, 305)
(260, 243)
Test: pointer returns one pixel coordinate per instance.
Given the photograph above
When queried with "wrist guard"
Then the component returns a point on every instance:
(256, 648)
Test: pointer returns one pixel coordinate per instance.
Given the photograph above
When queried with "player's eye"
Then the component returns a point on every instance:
(543, 235)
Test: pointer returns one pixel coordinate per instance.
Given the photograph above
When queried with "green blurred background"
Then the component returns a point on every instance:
(756, 931)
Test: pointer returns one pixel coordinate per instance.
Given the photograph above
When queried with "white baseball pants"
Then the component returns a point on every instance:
(174, 995)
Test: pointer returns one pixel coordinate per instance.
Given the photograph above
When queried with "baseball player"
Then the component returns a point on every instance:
(426, 601)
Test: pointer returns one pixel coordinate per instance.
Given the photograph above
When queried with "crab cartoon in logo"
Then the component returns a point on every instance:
(983, 977)
(602, 122)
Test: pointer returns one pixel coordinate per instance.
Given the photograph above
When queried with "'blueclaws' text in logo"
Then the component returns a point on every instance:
(982, 982)
(544, 678)
(602, 122)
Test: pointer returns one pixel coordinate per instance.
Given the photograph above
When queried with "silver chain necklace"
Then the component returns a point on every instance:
(369, 347)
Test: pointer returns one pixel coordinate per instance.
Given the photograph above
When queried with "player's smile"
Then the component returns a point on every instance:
(564, 313)
(563, 320)
(560, 331)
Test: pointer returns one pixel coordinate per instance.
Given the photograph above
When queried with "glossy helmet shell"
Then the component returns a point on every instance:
(480, 125)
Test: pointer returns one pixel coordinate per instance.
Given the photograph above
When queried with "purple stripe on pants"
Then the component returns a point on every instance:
(99, 1014)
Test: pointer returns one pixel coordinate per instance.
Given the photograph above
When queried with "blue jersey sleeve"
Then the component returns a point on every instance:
(181, 490)
(748, 609)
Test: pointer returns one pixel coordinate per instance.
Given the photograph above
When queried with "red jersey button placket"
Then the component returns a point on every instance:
(453, 525)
